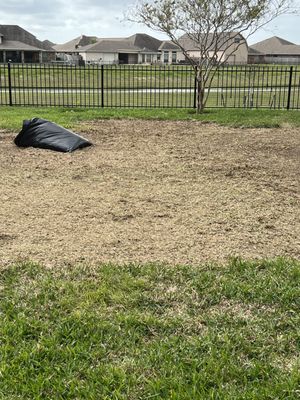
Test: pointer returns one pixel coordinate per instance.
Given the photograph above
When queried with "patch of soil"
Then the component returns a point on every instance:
(177, 192)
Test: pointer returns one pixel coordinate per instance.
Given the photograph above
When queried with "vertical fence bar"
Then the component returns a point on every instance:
(296, 93)
(102, 85)
(109, 84)
(217, 85)
(2, 102)
(195, 88)
(289, 89)
(88, 87)
(9, 84)
(159, 81)
(17, 86)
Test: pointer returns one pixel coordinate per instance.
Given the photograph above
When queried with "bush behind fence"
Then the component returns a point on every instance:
(147, 86)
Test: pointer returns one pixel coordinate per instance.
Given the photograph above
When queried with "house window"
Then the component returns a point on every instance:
(1, 57)
(174, 56)
(166, 57)
(143, 58)
(148, 58)
(158, 57)
(31, 57)
(14, 56)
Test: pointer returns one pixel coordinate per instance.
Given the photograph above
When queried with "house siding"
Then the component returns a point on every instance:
(274, 59)
(283, 59)
(132, 58)
(168, 58)
(239, 56)
(105, 58)
(113, 58)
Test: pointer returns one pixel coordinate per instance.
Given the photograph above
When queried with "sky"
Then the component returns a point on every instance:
(62, 20)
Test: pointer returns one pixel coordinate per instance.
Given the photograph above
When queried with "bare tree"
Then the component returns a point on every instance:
(217, 28)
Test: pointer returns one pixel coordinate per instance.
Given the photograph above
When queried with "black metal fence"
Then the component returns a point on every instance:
(249, 86)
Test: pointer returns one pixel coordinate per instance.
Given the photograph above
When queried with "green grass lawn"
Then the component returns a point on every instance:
(11, 117)
(236, 98)
(151, 331)
(141, 76)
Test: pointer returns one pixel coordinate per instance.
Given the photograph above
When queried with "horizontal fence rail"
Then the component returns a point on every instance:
(147, 86)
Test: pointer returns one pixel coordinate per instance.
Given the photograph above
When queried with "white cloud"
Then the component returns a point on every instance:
(286, 27)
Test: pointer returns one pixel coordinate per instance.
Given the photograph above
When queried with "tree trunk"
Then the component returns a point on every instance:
(200, 96)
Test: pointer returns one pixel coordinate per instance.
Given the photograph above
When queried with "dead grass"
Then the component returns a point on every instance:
(177, 192)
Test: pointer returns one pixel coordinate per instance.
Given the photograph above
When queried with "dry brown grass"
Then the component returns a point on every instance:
(178, 192)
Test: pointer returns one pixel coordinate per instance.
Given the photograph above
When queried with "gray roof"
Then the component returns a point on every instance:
(15, 45)
(139, 42)
(75, 44)
(253, 52)
(143, 41)
(48, 43)
(16, 34)
(168, 45)
(109, 45)
(275, 46)
(188, 44)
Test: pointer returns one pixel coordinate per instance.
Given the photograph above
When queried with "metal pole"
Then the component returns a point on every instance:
(9, 84)
(290, 89)
(195, 89)
(102, 85)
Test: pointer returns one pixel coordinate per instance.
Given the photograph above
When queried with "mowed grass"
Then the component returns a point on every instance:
(11, 118)
(151, 331)
(236, 98)
(142, 76)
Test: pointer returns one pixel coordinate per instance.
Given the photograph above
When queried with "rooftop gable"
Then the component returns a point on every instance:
(275, 45)
(144, 41)
(17, 34)
(135, 43)
(168, 45)
(75, 44)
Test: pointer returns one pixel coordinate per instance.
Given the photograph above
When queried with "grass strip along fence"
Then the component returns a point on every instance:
(73, 118)
(105, 86)
(151, 331)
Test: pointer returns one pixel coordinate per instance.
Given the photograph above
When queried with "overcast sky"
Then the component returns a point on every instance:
(62, 20)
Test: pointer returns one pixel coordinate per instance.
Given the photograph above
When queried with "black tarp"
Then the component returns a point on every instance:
(44, 134)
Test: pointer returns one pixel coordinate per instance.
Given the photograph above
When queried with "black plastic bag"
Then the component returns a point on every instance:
(44, 134)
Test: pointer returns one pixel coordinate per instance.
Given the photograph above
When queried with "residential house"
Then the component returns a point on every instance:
(70, 50)
(19, 46)
(274, 50)
(145, 49)
(170, 53)
(232, 47)
(136, 49)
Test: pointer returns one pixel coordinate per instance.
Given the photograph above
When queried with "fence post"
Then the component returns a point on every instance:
(102, 85)
(195, 88)
(9, 84)
(289, 89)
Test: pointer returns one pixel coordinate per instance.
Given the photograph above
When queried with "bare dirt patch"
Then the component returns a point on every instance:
(177, 192)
